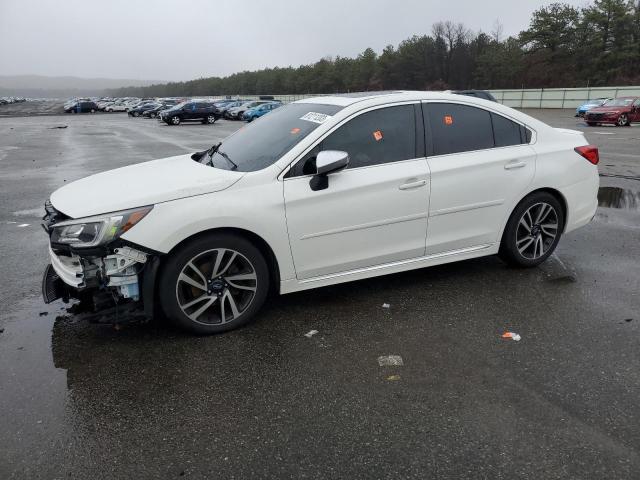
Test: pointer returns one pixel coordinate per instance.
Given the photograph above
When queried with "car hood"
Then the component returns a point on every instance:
(605, 109)
(142, 184)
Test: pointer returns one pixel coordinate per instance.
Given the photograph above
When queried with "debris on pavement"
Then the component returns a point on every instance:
(310, 333)
(390, 360)
(513, 336)
(628, 320)
(44, 314)
(393, 378)
(58, 126)
(386, 305)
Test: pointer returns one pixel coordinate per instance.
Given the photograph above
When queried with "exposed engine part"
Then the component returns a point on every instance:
(121, 271)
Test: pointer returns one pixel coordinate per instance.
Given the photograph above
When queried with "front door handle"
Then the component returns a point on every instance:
(410, 185)
(515, 164)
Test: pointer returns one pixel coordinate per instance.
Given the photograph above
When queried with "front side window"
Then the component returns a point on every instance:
(379, 136)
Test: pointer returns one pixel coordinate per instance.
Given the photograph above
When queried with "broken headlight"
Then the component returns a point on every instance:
(98, 230)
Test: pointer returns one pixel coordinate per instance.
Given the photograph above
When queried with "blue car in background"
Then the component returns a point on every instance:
(260, 110)
(588, 105)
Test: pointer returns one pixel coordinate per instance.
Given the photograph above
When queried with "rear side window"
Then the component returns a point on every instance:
(380, 136)
(505, 131)
(459, 128)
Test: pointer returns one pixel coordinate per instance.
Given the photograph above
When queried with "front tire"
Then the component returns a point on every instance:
(623, 121)
(533, 230)
(175, 120)
(592, 124)
(213, 284)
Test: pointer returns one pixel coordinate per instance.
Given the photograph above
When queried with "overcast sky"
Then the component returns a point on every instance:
(179, 40)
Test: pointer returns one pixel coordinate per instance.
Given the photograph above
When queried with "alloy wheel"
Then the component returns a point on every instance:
(537, 230)
(216, 286)
(622, 120)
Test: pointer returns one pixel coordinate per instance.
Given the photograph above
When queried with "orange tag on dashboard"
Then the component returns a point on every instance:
(448, 120)
(295, 130)
(377, 135)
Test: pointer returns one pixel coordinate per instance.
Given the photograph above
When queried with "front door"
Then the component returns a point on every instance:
(372, 213)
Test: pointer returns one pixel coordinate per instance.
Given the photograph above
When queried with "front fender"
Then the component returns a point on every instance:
(257, 208)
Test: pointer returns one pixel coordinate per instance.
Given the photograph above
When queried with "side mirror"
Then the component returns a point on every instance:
(328, 162)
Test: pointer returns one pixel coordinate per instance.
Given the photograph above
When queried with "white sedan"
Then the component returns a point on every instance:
(321, 191)
(116, 107)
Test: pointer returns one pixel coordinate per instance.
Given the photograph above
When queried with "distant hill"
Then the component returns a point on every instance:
(61, 87)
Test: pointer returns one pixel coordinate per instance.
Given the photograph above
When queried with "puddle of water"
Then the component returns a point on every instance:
(616, 197)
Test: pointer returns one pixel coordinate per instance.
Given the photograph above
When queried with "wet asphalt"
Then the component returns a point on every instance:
(80, 400)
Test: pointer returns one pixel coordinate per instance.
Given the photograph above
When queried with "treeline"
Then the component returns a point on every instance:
(564, 46)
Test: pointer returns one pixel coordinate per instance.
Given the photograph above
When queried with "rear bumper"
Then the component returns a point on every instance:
(582, 202)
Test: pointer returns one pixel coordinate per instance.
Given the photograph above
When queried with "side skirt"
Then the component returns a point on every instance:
(294, 285)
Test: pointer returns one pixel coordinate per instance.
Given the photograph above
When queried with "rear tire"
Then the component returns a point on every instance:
(533, 230)
(213, 284)
(592, 124)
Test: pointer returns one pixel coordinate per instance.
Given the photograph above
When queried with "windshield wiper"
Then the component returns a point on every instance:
(198, 155)
(226, 157)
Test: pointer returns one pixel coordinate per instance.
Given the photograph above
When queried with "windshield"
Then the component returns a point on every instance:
(261, 143)
(619, 102)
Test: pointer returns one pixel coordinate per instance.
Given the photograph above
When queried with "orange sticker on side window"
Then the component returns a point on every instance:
(448, 120)
(377, 135)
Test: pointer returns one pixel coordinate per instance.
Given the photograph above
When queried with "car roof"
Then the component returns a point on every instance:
(344, 100)
(355, 102)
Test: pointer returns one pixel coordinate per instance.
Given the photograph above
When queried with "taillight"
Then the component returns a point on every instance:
(590, 152)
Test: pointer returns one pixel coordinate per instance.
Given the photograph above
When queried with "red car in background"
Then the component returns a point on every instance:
(620, 111)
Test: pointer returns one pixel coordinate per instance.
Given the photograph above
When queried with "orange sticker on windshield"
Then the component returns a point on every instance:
(448, 120)
(377, 135)
(294, 131)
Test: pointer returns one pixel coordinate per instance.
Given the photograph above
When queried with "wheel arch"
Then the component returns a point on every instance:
(259, 242)
(556, 193)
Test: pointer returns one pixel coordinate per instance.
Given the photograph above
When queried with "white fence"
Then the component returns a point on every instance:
(559, 97)
(527, 98)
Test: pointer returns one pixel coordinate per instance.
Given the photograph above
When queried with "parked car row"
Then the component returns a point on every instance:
(8, 100)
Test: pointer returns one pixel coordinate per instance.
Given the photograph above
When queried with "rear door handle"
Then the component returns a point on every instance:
(515, 164)
(410, 185)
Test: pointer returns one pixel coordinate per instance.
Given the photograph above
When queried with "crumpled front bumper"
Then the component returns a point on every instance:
(59, 276)
(69, 269)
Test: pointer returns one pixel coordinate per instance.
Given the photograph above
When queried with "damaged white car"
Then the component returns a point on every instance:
(322, 191)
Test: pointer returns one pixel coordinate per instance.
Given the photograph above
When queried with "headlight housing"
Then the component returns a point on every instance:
(98, 230)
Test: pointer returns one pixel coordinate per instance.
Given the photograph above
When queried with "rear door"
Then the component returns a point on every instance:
(372, 213)
(480, 164)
